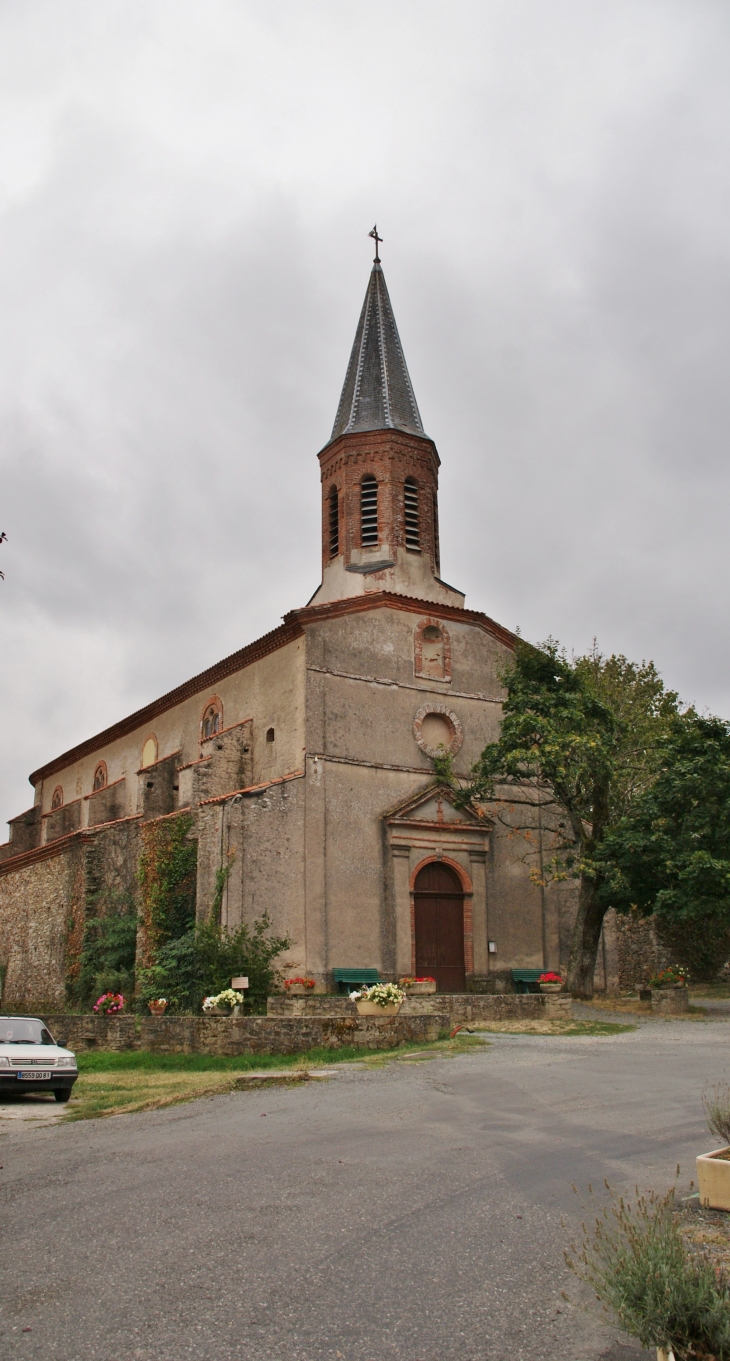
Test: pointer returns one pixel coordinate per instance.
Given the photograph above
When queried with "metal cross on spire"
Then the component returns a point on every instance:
(377, 239)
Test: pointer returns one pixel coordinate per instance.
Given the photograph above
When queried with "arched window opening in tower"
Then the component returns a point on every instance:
(100, 777)
(334, 523)
(413, 525)
(57, 800)
(368, 512)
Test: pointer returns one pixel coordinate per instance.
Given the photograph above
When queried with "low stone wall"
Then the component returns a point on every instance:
(460, 1006)
(243, 1034)
(94, 1032)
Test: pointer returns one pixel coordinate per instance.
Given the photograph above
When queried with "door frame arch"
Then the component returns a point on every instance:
(467, 889)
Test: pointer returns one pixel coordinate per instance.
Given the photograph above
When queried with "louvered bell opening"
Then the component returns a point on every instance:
(368, 512)
(334, 523)
(413, 526)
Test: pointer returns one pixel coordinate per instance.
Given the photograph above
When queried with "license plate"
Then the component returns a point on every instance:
(34, 1077)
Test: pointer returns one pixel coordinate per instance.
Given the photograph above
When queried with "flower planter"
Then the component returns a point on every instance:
(551, 987)
(217, 1011)
(661, 1355)
(372, 1009)
(419, 989)
(713, 1176)
(298, 990)
(157, 1008)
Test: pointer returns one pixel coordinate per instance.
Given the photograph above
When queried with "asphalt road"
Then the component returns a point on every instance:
(411, 1213)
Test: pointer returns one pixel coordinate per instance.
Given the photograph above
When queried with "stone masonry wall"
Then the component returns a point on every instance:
(460, 1006)
(242, 1035)
(640, 952)
(36, 901)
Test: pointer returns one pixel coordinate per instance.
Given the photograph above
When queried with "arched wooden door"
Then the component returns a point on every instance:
(439, 912)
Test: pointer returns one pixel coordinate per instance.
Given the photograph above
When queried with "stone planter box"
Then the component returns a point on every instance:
(670, 1001)
(551, 987)
(419, 989)
(298, 990)
(713, 1176)
(372, 1009)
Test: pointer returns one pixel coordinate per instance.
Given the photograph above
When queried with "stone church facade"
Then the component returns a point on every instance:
(306, 760)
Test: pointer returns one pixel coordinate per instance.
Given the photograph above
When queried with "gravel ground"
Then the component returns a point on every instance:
(406, 1213)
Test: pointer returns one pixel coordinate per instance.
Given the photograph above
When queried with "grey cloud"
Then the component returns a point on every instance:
(184, 200)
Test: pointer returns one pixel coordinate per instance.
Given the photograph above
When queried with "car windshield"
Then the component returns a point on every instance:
(22, 1030)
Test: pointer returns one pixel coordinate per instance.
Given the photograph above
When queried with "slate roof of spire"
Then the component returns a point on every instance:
(377, 394)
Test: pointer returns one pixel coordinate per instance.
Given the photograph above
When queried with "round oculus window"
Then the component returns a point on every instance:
(437, 728)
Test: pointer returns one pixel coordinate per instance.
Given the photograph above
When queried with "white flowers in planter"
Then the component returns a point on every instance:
(382, 994)
(227, 998)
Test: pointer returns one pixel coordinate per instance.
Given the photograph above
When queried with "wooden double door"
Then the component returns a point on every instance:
(439, 913)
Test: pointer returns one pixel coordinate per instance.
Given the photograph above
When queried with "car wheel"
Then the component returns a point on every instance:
(62, 1093)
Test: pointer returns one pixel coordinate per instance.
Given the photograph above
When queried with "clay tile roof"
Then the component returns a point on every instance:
(378, 394)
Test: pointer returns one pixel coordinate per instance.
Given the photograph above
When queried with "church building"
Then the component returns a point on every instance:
(305, 761)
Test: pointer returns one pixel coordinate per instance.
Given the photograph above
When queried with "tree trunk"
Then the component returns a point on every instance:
(586, 938)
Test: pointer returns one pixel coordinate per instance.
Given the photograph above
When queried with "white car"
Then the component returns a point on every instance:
(31, 1061)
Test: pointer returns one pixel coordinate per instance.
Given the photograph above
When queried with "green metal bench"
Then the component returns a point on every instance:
(525, 980)
(346, 980)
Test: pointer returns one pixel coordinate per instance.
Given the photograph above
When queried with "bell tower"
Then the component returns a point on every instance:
(380, 472)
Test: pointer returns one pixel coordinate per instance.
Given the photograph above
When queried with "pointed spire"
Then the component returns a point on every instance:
(377, 394)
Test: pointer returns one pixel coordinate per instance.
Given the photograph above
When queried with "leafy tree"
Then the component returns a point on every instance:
(670, 853)
(204, 960)
(577, 744)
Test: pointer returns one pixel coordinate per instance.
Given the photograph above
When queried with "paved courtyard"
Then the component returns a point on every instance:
(407, 1213)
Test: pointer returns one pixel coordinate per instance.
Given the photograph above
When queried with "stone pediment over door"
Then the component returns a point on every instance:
(432, 811)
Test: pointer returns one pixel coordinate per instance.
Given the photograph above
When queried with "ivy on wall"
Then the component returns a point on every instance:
(167, 878)
(101, 933)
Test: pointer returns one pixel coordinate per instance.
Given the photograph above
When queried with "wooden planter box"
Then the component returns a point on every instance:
(713, 1176)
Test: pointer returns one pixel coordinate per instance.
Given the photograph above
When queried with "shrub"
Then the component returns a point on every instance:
(716, 1102)
(637, 1264)
(106, 961)
(204, 960)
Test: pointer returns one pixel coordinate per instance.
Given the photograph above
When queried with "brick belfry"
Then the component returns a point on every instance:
(303, 764)
(380, 472)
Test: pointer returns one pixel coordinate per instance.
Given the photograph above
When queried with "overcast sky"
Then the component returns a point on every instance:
(186, 188)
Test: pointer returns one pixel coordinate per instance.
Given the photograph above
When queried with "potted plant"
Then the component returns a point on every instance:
(713, 1169)
(298, 987)
(225, 1003)
(550, 982)
(109, 1004)
(669, 990)
(158, 1006)
(383, 999)
(417, 987)
(673, 977)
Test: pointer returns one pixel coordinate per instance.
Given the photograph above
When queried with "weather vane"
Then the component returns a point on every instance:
(377, 239)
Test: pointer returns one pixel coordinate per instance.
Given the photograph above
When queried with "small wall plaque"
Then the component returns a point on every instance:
(239, 983)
